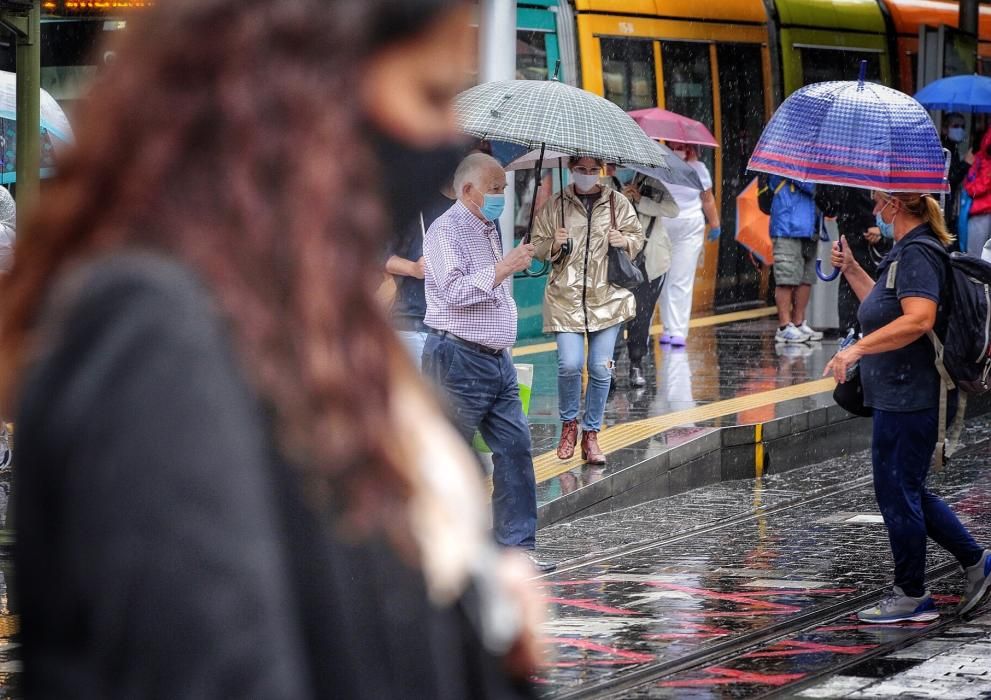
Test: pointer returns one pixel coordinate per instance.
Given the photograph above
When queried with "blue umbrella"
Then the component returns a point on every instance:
(961, 93)
(678, 172)
(855, 134)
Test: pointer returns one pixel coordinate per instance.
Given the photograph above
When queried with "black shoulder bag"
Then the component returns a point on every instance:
(622, 272)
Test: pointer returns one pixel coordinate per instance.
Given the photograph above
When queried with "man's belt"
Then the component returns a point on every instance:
(477, 347)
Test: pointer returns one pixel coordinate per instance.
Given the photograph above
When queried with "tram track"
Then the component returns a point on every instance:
(944, 622)
(715, 653)
(724, 523)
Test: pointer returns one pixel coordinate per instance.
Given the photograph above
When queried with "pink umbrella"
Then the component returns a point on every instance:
(668, 126)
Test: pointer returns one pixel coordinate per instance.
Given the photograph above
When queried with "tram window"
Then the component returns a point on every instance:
(531, 56)
(71, 54)
(688, 85)
(984, 64)
(628, 73)
(820, 65)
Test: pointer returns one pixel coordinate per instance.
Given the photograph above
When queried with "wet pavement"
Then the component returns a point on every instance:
(721, 365)
(737, 590)
(742, 589)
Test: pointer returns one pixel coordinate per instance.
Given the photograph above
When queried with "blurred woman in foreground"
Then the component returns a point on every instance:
(223, 481)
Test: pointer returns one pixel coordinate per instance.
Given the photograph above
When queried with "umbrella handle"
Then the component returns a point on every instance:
(832, 275)
(529, 274)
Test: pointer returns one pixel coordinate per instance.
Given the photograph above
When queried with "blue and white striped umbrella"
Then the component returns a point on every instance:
(853, 133)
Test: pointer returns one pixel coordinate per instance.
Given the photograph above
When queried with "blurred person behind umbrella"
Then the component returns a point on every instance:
(407, 267)
(853, 209)
(687, 233)
(653, 203)
(579, 301)
(254, 495)
(978, 186)
(954, 133)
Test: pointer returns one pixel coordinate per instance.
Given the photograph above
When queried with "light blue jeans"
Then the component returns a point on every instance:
(414, 341)
(571, 359)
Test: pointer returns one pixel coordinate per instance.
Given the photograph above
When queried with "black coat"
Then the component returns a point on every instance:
(164, 549)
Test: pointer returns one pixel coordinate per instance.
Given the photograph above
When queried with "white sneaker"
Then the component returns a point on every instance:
(792, 350)
(790, 334)
(810, 331)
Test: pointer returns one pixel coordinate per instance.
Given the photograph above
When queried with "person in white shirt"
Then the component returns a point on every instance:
(687, 232)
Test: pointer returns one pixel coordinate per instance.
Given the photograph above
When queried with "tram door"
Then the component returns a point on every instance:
(741, 89)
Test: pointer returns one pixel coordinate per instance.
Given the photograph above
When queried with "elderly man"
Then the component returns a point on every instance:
(472, 320)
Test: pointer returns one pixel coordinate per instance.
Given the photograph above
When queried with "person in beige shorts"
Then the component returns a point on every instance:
(793, 232)
(794, 262)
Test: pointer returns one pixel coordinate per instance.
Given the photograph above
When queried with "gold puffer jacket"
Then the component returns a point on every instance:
(579, 298)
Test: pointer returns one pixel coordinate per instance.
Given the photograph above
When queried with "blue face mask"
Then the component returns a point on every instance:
(887, 230)
(493, 206)
(625, 175)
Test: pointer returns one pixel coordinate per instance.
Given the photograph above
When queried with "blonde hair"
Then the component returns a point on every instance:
(925, 207)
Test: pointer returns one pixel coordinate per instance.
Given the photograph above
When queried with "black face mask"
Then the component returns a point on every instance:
(412, 177)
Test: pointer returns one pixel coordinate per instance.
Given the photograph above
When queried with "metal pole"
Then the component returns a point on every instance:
(497, 61)
(28, 114)
(969, 14)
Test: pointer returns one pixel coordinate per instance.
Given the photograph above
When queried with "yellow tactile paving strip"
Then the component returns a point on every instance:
(547, 465)
(747, 315)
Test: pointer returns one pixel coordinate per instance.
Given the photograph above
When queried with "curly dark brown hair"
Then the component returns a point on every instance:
(224, 136)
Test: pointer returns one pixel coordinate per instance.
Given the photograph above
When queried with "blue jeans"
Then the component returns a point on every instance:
(483, 392)
(414, 341)
(570, 359)
(902, 450)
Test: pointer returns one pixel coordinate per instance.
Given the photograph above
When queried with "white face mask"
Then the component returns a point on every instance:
(585, 183)
(956, 134)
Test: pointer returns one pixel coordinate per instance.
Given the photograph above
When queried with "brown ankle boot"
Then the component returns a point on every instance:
(569, 436)
(591, 452)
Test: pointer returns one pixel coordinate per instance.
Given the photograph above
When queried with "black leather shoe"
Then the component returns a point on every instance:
(544, 567)
(636, 377)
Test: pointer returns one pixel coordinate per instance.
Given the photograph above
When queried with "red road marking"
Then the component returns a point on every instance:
(701, 631)
(745, 613)
(802, 591)
(590, 604)
(739, 598)
(728, 676)
(632, 657)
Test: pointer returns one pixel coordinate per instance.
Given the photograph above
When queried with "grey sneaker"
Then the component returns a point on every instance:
(543, 567)
(978, 584)
(898, 607)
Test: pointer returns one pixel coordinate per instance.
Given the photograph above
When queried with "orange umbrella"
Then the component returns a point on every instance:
(753, 226)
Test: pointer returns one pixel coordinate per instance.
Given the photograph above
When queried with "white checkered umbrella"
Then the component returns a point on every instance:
(547, 113)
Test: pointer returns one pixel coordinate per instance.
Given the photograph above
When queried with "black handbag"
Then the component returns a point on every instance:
(622, 272)
(850, 394)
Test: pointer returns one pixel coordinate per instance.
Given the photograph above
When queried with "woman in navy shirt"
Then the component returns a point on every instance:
(902, 385)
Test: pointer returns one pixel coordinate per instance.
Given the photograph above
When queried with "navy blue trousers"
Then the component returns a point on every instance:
(902, 451)
(485, 396)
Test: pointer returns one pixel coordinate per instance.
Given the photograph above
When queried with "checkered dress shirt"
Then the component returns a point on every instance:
(461, 251)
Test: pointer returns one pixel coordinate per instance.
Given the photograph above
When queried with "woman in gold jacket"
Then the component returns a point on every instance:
(579, 300)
